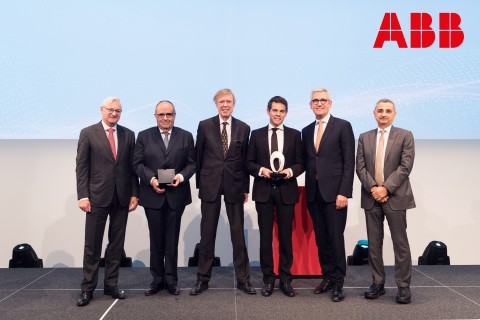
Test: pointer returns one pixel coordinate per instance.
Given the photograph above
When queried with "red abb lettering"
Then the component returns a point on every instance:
(421, 33)
(451, 35)
(390, 30)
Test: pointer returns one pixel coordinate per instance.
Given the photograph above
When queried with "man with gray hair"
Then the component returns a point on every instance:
(329, 156)
(107, 187)
(384, 161)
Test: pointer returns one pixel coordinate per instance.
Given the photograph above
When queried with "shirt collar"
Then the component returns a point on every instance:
(229, 120)
(105, 126)
(325, 119)
(169, 131)
(387, 129)
(270, 126)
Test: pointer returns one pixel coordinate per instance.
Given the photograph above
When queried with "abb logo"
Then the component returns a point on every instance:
(421, 33)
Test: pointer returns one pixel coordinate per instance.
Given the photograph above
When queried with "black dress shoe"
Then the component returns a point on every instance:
(267, 289)
(404, 296)
(337, 293)
(114, 292)
(198, 288)
(154, 289)
(246, 287)
(324, 286)
(85, 298)
(173, 289)
(287, 289)
(375, 291)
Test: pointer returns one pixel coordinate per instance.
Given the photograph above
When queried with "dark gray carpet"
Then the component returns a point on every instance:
(438, 292)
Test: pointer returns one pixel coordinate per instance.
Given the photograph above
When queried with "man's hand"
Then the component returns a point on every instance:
(266, 173)
(84, 205)
(133, 204)
(380, 194)
(156, 187)
(287, 172)
(245, 197)
(341, 202)
(176, 181)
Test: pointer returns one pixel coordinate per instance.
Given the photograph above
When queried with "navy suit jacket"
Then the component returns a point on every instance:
(214, 170)
(150, 155)
(258, 155)
(99, 175)
(331, 169)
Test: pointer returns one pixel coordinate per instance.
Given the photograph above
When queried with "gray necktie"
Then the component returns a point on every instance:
(165, 140)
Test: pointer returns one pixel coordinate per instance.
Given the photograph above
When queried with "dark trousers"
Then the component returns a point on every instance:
(164, 227)
(397, 222)
(285, 214)
(208, 234)
(94, 229)
(329, 225)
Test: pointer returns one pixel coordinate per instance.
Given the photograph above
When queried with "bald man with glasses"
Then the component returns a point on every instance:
(164, 147)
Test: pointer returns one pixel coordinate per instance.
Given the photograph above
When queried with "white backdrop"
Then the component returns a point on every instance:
(39, 207)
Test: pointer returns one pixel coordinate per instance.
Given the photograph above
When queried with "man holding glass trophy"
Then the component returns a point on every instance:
(274, 159)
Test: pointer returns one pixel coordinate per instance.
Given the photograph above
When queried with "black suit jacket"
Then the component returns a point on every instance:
(98, 174)
(150, 154)
(215, 171)
(332, 168)
(258, 155)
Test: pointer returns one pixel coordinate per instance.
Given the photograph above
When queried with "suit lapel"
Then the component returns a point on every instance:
(391, 138)
(121, 141)
(216, 132)
(308, 139)
(371, 144)
(264, 142)
(287, 143)
(327, 132)
(233, 136)
(102, 137)
(172, 141)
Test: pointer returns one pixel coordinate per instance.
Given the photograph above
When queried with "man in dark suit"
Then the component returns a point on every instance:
(384, 161)
(272, 193)
(164, 147)
(329, 155)
(221, 148)
(106, 187)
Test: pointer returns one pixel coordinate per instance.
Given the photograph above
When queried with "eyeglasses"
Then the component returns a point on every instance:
(321, 102)
(111, 110)
(163, 115)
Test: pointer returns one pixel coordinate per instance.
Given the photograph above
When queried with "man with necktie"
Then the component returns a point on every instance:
(329, 157)
(106, 187)
(384, 162)
(272, 193)
(164, 146)
(221, 149)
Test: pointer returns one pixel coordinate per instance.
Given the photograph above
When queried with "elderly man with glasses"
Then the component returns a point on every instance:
(329, 157)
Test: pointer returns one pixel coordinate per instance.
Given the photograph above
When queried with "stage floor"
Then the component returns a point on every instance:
(438, 292)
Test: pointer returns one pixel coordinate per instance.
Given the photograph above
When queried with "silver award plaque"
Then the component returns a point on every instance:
(165, 176)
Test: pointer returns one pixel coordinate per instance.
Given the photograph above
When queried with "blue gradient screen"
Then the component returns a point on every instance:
(60, 59)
